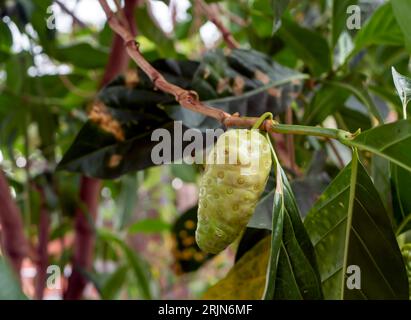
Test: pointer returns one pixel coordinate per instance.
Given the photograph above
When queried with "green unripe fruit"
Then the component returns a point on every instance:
(236, 172)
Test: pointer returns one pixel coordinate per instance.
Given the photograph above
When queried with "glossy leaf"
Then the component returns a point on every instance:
(390, 141)
(401, 185)
(292, 271)
(349, 226)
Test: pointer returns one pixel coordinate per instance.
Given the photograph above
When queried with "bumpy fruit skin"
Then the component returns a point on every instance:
(229, 191)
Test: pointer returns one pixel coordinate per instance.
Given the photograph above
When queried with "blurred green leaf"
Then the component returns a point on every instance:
(187, 173)
(82, 55)
(10, 287)
(339, 18)
(279, 6)
(308, 45)
(153, 32)
(149, 226)
(402, 12)
(380, 29)
(327, 100)
(138, 266)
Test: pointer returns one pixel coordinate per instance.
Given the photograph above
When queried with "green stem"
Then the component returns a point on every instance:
(267, 115)
(353, 184)
(330, 133)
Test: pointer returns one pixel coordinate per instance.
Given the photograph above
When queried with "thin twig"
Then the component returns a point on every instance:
(190, 100)
(212, 14)
(70, 13)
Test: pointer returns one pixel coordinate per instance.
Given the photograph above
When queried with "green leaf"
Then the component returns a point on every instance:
(292, 271)
(380, 29)
(82, 55)
(149, 226)
(391, 141)
(153, 32)
(127, 199)
(339, 18)
(112, 285)
(351, 120)
(326, 101)
(308, 45)
(10, 287)
(263, 18)
(186, 172)
(380, 174)
(139, 267)
(403, 87)
(401, 185)
(361, 94)
(6, 41)
(349, 226)
(402, 13)
(279, 6)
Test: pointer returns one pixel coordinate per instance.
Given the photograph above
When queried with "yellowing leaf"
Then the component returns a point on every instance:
(246, 280)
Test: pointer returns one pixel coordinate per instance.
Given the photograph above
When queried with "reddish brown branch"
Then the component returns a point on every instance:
(212, 13)
(42, 252)
(14, 242)
(90, 188)
(84, 241)
(187, 99)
